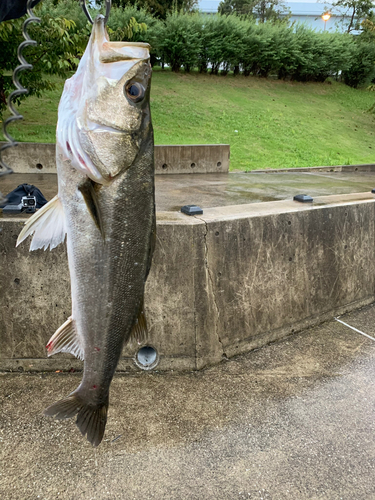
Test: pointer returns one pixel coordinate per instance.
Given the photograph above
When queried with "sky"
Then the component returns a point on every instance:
(211, 5)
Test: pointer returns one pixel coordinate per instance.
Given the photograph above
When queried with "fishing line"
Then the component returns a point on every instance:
(355, 329)
(5, 169)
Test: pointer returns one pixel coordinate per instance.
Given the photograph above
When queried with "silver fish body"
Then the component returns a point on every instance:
(105, 170)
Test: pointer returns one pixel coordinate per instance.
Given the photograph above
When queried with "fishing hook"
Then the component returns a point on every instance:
(108, 5)
(20, 90)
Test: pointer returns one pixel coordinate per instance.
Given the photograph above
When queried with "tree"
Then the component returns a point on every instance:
(62, 36)
(262, 10)
(57, 51)
(355, 10)
(160, 8)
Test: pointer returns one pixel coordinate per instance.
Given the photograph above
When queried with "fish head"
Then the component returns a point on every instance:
(104, 112)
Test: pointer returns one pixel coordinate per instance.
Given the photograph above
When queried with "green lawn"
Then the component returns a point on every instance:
(268, 124)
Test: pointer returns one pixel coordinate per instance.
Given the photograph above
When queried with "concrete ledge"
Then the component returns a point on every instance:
(31, 157)
(221, 284)
(364, 167)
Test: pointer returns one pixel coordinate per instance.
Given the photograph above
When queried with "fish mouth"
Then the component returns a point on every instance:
(98, 127)
(110, 52)
(143, 45)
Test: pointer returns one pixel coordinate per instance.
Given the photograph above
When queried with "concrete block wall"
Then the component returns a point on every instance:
(222, 283)
(32, 157)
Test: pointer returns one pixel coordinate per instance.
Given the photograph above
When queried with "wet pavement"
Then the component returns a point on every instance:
(293, 420)
(235, 188)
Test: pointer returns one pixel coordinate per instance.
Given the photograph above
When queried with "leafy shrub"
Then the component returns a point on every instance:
(253, 46)
(319, 55)
(217, 43)
(277, 51)
(221, 43)
(222, 40)
(361, 67)
(57, 51)
(180, 40)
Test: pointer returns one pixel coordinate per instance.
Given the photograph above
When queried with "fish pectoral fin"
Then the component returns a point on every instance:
(91, 199)
(65, 339)
(48, 226)
(91, 419)
(139, 331)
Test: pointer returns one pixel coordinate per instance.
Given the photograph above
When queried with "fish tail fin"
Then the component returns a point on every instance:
(91, 418)
(91, 421)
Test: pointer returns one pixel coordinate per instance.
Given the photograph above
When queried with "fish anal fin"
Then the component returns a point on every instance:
(139, 331)
(91, 418)
(89, 192)
(47, 225)
(65, 339)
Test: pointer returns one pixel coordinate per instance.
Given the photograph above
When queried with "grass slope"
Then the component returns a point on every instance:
(268, 124)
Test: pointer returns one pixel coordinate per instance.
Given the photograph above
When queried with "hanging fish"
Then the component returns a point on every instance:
(106, 207)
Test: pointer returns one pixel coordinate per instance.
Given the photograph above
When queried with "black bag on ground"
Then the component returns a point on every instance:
(28, 190)
(13, 9)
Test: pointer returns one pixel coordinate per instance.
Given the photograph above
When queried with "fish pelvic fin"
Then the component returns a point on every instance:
(91, 419)
(47, 225)
(139, 331)
(66, 339)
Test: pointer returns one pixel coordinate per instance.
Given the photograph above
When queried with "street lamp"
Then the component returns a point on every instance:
(325, 18)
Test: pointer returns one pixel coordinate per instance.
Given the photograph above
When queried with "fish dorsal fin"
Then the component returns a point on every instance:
(48, 226)
(65, 339)
(139, 331)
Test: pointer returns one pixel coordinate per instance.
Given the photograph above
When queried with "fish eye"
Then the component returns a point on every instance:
(134, 91)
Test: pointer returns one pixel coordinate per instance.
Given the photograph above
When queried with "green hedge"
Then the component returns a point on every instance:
(219, 44)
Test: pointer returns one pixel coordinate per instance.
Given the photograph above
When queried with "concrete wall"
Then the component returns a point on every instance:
(363, 167)
(31, 157)
(222, 283)
(279, 272)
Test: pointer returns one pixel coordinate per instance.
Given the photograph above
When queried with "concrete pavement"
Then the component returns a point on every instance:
(293, 420)
(217, 190)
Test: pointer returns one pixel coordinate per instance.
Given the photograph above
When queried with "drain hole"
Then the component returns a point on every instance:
(218, 164)
(192, 165)
(39, 166)
(147, 358)
(164, 166)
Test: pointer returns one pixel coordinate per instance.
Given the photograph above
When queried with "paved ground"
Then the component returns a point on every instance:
(293, 420)
(236, 188)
